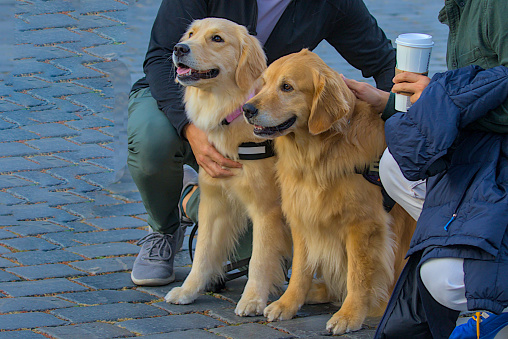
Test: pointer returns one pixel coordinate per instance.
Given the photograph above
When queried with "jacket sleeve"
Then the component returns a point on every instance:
(359, 39)
(420, 138)
(170, 23)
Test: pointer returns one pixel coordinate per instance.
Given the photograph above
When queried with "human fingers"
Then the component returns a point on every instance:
(408, 77)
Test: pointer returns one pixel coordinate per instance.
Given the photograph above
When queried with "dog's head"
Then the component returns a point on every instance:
(216, 49)
(300, 92)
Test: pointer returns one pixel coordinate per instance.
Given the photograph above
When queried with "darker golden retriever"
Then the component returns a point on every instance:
(339, 227)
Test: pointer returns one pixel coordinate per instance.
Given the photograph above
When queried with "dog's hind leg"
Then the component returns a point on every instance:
(318, 293)
(220, 222)
(271, 244)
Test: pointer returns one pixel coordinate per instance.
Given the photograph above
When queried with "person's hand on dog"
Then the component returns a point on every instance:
(410, 83)
(375, 97)
(207, 156)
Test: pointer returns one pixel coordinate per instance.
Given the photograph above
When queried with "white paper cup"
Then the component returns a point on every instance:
(413, 55)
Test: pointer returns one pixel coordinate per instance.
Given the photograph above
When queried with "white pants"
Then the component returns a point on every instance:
(443, 277)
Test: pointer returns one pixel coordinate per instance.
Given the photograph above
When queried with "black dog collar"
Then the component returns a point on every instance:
(255, 150)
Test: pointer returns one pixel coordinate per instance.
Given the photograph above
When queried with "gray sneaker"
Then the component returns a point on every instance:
(154, 264)
(190, 179)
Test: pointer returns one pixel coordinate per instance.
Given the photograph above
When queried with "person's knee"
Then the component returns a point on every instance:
(444, 279)
(153, 147)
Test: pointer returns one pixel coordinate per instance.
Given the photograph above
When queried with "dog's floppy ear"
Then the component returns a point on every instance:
(252, 62)
(332, 100)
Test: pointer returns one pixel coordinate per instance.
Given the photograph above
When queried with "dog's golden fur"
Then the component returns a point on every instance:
(339, 226)
(252, 192)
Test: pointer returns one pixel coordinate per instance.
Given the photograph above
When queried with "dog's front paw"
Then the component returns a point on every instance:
(179, 295)
(250, 307)
(278, 310)
(341, 322)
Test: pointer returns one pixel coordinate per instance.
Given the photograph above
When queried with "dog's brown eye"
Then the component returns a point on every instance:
(217, 38)
(190, 34)
(286, 87)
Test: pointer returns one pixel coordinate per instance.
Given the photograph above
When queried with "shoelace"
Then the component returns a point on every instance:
(158, 242)
(478, 318)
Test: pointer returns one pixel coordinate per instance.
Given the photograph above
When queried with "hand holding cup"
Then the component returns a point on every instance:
(413, 55)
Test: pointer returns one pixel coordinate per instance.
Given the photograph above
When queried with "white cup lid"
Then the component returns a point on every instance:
(415, 40)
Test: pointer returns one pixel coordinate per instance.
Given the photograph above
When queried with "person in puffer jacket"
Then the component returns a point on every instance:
(446, 164)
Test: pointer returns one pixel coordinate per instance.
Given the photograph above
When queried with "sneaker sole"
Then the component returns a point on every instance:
(153, 282)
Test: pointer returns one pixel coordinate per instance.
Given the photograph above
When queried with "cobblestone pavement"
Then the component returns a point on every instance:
(70, 214)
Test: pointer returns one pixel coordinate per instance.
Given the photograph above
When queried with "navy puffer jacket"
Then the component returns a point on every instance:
(466, 207)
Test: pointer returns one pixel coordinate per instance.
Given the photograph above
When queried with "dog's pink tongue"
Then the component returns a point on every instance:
(182, 70)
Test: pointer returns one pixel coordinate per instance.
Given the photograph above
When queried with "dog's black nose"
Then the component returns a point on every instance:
(249, 111)
(181, 49)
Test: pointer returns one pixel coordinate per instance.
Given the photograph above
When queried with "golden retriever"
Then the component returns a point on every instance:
(218, 62)
(339, 227)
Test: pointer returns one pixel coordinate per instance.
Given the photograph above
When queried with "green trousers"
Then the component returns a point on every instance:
(155, 159)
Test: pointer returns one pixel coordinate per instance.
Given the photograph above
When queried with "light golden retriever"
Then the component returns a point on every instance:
(339, 227)
(218, 62)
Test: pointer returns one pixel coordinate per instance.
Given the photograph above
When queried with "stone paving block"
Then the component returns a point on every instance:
(64, 239)
(110, 281)
(90, 121)
(51, 145)
(94, 6)
(101, 198)
(28, 320)
(29, 244)
(15, 164)
(228, 315)
(9, 199)
(303, 326)
(92, 38)
(203, 303)
(108, 312)
(26, 228)
(4, 249)
(6, 125)
(16, 149)
(72, 172)
(39, 194)
(8, 181)
(40, 287)
(106, 52)
(6, 106)
(48, 36)
(40, 178)
(97, 84)
(17, 134)
(92, 137)
(96, 330)
(53, 115)
(78, 226)
(104, 250)
(45, 271)
(117, 33)
(85, 152)
(106, 163)
(134, 208)
(43, 257)
(102, 237)
(30, 304)
(5, 234)
(30, 67)
(48, 7)
(20, 117)
(4, 276)
(250, 331)
(107, 297)
(24, 334)
(92, 101)
(118, 16)
(28, 83)
(52, 130)
(49, 161)
(194, 334)
(40, 211)
(6, 263)
(117, 222)
(64, 104)
(94, 21)
(103, 179)
(170, 324)
(97, 266)
(47, 21)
